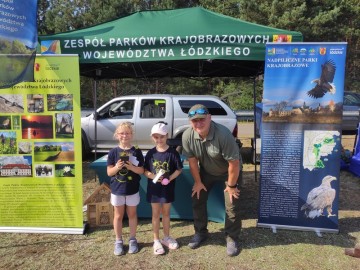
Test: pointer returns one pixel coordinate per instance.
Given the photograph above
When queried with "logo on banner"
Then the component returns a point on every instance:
(295, 51)
(50, 47)
(282, 38)
(336, 51)
(322, 51)
(271, 51)
(53, 67)
(303, 51)
(47, 67)
(312, 51)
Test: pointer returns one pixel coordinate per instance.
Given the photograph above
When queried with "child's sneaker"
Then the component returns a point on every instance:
(158, 248)
(133, 245)
(119, 248)
(169, 242)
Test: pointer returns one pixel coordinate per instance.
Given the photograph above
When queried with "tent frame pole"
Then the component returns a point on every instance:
(95, 116)
(254, 100)
(97, 78)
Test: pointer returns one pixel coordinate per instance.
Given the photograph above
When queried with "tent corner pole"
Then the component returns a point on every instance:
(254, 100)
(95, 117)
(97, 77)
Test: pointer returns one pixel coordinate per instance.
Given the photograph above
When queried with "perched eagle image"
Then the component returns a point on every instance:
(320, 198)
(324, 83)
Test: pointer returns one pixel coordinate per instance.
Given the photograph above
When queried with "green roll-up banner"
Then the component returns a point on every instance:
(40, 150)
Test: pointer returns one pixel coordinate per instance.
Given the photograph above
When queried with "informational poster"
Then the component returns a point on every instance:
(301, 136)
(40, 150)
(18, 37)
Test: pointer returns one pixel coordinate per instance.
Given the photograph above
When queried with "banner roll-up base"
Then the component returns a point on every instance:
(43, 230)
(275, 227)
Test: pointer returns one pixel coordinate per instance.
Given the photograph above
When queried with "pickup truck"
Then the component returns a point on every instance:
(144, 111)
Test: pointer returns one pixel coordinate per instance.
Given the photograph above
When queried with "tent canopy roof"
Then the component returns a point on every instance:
(190, 42)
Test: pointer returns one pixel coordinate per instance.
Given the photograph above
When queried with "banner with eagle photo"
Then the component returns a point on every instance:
(18, 39)
(301, 136)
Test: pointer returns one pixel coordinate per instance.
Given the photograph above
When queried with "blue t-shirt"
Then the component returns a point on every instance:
(125, 182)
(169, 161)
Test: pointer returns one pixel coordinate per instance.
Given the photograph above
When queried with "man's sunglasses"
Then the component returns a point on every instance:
(200, 111)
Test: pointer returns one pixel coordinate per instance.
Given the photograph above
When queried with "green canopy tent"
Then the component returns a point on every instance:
(189, 42)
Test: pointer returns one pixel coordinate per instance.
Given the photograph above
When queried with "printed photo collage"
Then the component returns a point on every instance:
(37, 135)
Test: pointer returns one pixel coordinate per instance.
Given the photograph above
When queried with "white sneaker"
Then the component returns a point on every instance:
(169, 242)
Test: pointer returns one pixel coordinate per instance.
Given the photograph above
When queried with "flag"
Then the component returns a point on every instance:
(18, 41)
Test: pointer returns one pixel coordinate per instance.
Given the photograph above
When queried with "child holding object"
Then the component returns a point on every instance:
(124, 166)
(162, 166)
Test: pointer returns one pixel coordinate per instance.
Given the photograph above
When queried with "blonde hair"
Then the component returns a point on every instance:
(124, 125)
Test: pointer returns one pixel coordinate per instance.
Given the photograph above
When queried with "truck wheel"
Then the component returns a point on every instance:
(85, 150)
(253, 156)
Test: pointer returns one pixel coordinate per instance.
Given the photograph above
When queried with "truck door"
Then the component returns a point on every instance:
(152, 111)
(108, 119)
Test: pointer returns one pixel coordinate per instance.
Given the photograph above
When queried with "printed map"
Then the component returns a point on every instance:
(318, 144)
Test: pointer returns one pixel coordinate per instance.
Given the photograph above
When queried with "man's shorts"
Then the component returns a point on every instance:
(129, 200)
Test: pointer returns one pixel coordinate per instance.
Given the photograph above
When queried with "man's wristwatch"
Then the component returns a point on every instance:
(234, 186)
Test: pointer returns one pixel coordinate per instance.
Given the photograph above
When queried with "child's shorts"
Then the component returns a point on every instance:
(130, 200)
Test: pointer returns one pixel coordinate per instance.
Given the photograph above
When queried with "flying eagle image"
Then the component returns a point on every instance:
(324, 83)
(320, 198)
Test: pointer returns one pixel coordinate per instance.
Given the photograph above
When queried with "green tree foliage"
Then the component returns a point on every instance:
(229, 7)
(18, 48)
(61, 15)
(238, 93)
(318, 21)
(42, 9)
(163, 4)
(13, 47)
(5, 46)
(107, 89)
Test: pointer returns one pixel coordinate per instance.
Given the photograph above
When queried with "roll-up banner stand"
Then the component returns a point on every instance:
(40, 150)
(301, 136)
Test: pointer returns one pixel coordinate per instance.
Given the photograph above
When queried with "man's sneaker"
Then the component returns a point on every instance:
(197, 240)
(169, 242)
(119, 248)
(133, 246)
(232, 247)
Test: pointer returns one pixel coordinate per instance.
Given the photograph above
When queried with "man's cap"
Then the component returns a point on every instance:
(198, 111)
(159, 128)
